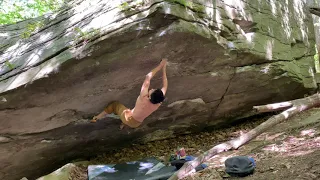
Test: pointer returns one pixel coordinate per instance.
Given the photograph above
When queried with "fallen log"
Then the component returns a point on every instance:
(293, 107)
(273, 107)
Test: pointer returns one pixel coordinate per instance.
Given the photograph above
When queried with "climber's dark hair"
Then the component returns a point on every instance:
(156, 96)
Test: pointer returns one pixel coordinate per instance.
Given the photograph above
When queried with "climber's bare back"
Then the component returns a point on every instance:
(143, 108)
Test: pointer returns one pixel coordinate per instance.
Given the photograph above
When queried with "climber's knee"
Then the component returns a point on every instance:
(111, 107)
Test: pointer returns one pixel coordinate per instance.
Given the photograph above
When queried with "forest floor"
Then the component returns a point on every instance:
(290, 150)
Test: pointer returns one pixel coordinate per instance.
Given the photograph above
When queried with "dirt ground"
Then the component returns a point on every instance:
(288, 151)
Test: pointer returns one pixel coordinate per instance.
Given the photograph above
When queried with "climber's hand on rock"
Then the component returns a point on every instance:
(163, 62)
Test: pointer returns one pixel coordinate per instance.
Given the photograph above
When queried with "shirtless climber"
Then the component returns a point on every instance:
(147, 102)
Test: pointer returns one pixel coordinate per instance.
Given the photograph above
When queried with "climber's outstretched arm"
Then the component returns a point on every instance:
(164, 78)
(149, 76)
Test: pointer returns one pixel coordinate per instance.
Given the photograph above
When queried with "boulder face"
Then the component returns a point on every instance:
(59, 70)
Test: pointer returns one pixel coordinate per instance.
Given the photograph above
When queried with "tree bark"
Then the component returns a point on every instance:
(298, 105)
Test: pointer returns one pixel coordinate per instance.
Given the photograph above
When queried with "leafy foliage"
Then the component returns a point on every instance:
(31, 27)
(197, 7)
(9, 65)
(124, 6)
(12, 11)
(84, 36)
(184, 3)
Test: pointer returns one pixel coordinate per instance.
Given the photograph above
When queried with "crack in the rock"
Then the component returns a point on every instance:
(58, 36)
(188, 7)
(224, 94)
(261, 63)
(303, 56)
(75, 114)
(6, 136)
(273, 37)
(117, 20)
(9, 135)
(187, 20)
(259, 32)
(70, 27)
(258, 11)
(34, 65)
(212, 101)
(60, 51)
(53, 55)
(8, 71)
(8, 109)
(99, 11)
(66, 12)
(61, 35)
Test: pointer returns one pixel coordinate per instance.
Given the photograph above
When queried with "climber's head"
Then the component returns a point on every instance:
(156, 96)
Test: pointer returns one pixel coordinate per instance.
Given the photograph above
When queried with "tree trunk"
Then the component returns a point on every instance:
(298, 105)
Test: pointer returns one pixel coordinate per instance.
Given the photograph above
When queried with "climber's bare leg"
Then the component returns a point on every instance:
(99, 116)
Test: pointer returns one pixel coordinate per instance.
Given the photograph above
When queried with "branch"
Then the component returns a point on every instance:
(300, 105)
(273, 107)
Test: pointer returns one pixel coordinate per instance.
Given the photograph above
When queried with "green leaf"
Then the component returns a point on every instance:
(8, 64)
(21, 10)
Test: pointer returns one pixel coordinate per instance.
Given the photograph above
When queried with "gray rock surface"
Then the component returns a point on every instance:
(224, 57)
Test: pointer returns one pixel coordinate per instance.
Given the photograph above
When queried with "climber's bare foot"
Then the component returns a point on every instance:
(94, 119)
